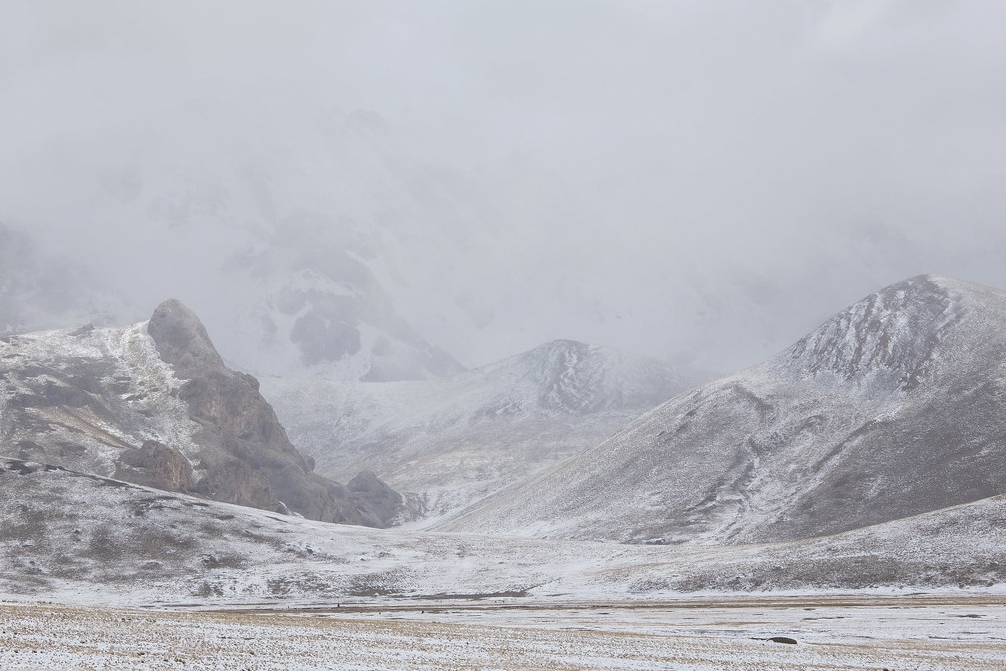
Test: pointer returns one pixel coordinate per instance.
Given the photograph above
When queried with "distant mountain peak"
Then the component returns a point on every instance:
(563, 344)
(890, 409)
(889, 335)
(571, 375)
(550, 354)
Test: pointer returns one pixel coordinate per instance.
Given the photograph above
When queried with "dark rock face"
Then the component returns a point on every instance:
(248, 458)
(156, 465)
(382, 502)
(234, 481)
(181, 339)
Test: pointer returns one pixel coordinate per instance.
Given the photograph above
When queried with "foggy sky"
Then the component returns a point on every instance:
(700, 181)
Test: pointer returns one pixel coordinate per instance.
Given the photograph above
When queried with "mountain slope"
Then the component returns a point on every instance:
(154, 404)
(82, 538)
(890, 409)
(449, 443)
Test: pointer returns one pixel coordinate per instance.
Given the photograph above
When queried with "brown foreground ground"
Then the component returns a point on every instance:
(907, 632)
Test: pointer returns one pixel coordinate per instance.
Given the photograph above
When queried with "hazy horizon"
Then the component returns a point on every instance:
(703, 182)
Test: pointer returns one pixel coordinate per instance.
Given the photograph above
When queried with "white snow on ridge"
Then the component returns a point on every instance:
(124, 374)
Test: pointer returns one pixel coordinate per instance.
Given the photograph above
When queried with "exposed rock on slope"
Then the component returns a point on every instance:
(449, 443)
(154, 404)
(248, 459)
(890, 409)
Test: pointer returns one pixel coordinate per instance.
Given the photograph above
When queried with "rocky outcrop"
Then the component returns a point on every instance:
(182, 340)
(154, 404)
(156, 465)
(380, 502)
(248, 458)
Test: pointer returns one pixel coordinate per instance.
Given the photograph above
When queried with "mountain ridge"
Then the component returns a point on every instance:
(867, 455)
(884, 411)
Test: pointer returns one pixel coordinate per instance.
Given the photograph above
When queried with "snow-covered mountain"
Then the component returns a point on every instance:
(315, 307)
(866, 455)
(154, 404)
(449, 443)
(892, 408)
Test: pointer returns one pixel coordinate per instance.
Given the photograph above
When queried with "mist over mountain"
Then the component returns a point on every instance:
(276, 244)
(889, 409)
(448, 443)
(39, 290)
(868, 454)
(696, 182)
(535, 334)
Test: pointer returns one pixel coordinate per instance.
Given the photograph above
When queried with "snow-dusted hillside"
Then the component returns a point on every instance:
(890, 409)
(449, 443)
(82, 538)
(153, 403)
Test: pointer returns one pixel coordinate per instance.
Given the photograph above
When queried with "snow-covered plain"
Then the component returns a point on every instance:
(904, 633)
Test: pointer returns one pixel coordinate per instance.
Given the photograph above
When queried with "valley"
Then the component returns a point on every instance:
(502, 336)
(570, 507)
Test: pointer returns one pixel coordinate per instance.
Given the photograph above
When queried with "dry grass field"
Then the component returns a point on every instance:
(919, 633)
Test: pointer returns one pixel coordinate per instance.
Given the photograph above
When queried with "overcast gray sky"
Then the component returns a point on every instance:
(700, 181)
